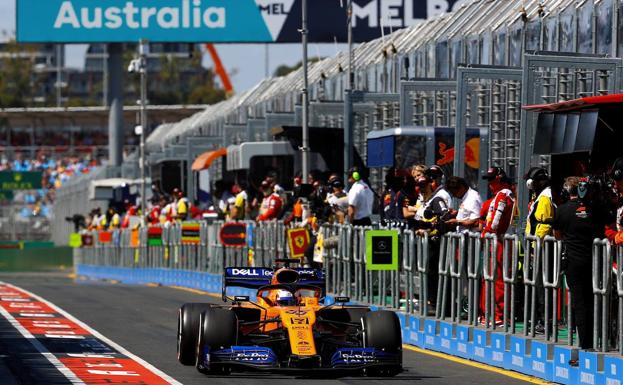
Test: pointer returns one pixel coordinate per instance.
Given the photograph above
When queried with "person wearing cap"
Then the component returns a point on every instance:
(496, 217)
(431, 208)
(614, 232)
(360, 199)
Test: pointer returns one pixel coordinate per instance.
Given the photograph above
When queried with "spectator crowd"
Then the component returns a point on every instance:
(56, 171)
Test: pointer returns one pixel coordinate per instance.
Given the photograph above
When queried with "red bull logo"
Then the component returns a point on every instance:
(472, 153)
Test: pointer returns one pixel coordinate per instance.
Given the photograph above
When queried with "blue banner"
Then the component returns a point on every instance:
(214, 21)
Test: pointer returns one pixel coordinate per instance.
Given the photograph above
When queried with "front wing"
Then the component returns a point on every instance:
(263, 358)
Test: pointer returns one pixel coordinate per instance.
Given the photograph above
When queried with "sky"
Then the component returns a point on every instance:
(245, 73)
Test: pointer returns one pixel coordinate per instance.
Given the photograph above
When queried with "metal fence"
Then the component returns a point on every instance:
(15, 225)
(470, 267)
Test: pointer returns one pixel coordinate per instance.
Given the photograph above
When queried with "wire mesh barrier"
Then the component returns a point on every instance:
(22, 222)
(483, 282)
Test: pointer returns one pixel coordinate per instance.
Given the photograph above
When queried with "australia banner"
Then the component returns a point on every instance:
(215, 21)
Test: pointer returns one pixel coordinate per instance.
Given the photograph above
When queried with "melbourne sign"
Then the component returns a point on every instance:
(260, 21)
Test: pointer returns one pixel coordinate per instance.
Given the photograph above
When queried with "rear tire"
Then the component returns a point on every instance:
(218, 329)
(187, 328)
(381, 330)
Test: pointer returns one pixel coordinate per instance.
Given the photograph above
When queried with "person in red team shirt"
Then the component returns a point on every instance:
(271, 205)
(496, 215)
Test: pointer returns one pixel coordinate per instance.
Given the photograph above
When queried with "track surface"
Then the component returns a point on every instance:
(142, 319)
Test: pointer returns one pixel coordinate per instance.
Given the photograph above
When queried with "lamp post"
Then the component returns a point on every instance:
(348, 96)
(140, 65)
(305, 96)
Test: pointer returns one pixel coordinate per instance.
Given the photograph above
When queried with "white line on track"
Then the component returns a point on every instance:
(70, 375)
(40, 348)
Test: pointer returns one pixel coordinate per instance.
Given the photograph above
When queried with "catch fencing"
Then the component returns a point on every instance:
(496, 283)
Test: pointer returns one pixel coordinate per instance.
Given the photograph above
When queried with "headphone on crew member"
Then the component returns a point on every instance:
(534, 175)
(617, 170)
(354, 173)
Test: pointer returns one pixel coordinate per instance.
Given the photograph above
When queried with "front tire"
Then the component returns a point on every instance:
(218, 329)
(381, 330)
(187, 327)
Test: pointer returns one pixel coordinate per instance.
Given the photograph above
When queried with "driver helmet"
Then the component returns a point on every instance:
(285, 298)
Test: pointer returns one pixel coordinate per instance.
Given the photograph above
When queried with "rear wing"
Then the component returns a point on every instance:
(256, 277)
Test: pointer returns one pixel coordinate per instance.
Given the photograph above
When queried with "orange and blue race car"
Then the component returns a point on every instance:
(287, 328)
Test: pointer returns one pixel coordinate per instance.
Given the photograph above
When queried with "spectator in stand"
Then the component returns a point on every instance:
(496, 217)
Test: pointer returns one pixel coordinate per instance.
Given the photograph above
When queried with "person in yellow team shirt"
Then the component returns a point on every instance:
(182, 205)
(541, 210)
(541, 207)
(114, 220)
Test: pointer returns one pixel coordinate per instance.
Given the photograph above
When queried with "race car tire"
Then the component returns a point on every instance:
(218, 329)
(381, 330)
(187, 331)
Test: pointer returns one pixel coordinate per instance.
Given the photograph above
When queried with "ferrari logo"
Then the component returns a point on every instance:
(300, 241)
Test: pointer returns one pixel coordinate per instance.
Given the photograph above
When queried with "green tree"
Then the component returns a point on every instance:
(16, 75)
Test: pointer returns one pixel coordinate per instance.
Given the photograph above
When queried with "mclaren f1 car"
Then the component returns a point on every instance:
(287, 328)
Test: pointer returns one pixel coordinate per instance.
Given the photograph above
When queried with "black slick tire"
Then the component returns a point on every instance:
(381, 330)
(187, 331)
(218, 329)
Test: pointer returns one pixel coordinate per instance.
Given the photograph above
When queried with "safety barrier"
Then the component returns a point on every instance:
(504, 328)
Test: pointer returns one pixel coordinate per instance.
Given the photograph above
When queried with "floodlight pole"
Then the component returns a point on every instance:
(305, 95)
(143, 70)
(348, 96)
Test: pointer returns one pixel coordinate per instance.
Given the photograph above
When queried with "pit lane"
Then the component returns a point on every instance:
(142, 319)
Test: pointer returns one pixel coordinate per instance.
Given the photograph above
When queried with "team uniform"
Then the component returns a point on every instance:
(579, 226)
(271, 207)
(496, 216)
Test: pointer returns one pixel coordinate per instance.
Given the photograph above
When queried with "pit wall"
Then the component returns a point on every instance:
(512, 352)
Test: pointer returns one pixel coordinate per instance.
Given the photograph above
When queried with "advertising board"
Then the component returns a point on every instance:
(215, 21)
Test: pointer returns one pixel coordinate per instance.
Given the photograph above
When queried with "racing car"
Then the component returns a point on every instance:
(287, 328)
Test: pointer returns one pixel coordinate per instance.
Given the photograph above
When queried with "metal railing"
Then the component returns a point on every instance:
(470, 266)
